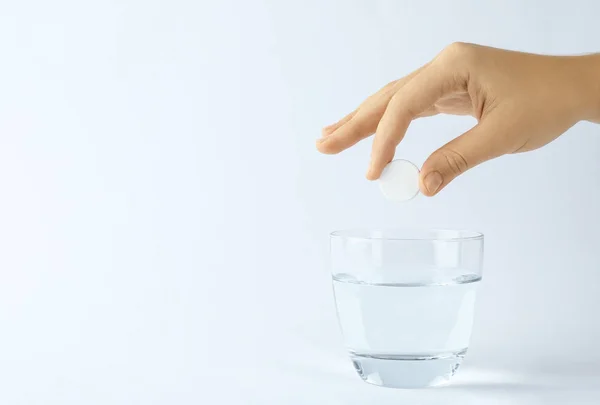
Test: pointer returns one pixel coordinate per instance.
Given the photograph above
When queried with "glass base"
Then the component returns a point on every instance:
(407, 371)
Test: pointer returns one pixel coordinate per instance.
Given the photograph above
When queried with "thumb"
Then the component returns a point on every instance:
(475, 146)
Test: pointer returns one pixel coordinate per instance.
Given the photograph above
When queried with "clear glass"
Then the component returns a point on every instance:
(405, 301)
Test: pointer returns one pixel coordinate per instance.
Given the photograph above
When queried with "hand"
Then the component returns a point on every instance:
(521, 102)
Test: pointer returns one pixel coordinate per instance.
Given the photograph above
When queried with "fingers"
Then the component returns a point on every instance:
(360, 126)
(328, 130)
(357, 125)
(476, 146)
(412, 100)
(362, 122)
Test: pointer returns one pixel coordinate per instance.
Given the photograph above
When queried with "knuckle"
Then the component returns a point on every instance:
(457, 48)
(457, 52)
(455, 161)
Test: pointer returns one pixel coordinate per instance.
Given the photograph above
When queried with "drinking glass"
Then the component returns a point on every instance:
(405, 301)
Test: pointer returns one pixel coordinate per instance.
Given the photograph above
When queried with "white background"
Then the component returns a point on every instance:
(164, 214)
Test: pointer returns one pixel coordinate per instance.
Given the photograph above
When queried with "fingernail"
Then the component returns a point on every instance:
(433, 181)
(320, 140)
(326, 132)
(328, 129)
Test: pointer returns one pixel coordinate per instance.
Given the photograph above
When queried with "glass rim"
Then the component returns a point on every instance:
(412, 234)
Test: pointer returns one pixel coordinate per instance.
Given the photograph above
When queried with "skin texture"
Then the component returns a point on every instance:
(521, 102)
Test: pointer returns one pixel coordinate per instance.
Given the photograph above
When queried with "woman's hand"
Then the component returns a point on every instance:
(521, 102)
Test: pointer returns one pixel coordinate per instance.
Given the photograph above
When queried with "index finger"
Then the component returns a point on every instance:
(414, 98)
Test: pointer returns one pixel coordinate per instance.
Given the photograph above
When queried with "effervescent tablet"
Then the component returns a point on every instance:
(399, 180)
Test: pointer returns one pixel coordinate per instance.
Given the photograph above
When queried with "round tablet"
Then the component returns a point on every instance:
(399, 180)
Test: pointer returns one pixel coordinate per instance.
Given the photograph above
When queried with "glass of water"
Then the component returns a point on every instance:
(405, 301)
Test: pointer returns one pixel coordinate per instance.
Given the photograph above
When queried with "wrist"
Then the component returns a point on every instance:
(587, 75)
